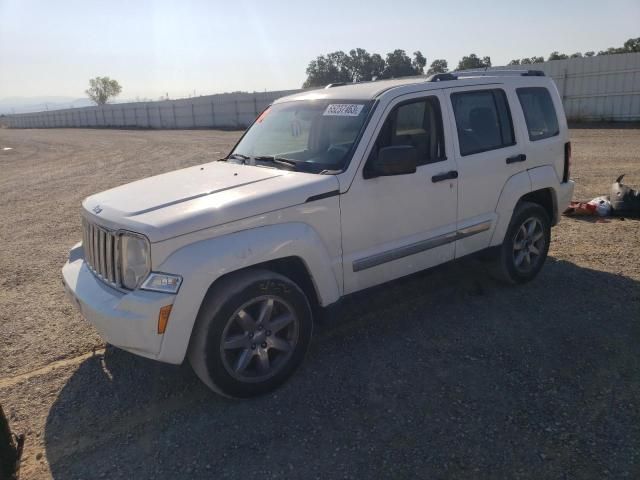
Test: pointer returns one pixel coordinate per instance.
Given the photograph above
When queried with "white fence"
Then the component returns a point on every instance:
(231, 110)
(602, 88)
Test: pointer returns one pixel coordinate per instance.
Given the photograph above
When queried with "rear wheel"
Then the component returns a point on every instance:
(525, 245)
(251, 334)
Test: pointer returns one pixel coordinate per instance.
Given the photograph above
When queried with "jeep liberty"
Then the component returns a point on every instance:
(329, 192)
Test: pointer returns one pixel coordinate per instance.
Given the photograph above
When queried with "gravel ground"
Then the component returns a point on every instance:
(446, 374)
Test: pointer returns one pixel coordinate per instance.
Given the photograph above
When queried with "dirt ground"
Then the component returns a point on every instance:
(446, 374)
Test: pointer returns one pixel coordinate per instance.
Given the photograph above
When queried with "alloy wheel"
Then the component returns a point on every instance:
(259, 339)
(528, 245)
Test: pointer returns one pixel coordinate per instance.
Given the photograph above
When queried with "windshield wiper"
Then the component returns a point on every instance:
(237, 156)
(274, 159)
(246, 159)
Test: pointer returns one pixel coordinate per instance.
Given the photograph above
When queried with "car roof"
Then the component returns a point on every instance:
(372, 90)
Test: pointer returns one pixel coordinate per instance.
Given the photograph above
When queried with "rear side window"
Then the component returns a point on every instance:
(417, 123)
(539, 112)
(483, 120)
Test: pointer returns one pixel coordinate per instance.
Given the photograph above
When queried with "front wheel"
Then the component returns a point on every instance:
(251, 334)
(525, 245)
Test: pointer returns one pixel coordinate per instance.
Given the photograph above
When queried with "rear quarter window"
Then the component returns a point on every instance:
(539, 112)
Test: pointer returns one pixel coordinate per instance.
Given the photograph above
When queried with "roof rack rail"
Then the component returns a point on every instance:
(534, 73)
(337, 84)
(441, 77)
(500, 73)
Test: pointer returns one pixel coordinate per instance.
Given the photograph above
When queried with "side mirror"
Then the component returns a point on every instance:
(395, 160)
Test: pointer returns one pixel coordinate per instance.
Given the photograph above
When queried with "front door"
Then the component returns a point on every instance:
(396, 225)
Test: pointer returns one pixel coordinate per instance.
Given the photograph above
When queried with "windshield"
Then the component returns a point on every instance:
(311, 135)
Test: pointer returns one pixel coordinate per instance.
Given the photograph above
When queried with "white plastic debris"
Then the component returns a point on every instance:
(603, 206)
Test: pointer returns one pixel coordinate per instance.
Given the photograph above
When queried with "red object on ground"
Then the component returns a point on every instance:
(581, 208)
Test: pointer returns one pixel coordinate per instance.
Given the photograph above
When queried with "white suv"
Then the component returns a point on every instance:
(329, 192)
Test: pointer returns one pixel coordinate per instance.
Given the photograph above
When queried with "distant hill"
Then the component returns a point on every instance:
(39, 104)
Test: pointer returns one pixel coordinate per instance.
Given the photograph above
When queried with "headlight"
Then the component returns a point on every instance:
(135, 259)
(162, 282)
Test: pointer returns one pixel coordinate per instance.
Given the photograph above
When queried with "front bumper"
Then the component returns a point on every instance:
(128, 320)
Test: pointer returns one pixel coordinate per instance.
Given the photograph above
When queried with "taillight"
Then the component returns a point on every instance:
(567, 162)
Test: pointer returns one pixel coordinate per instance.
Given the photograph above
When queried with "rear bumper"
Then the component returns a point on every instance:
(128, 320)
(565, 195)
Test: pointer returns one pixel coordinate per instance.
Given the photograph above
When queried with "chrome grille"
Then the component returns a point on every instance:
(101, 252)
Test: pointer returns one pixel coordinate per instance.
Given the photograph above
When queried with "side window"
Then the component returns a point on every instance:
(419, 124)
(539, 112)
(483, 120)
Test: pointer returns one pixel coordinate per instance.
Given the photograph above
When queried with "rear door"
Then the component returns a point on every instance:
(487, 152)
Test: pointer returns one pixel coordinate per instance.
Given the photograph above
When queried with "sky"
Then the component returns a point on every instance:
(53, 47)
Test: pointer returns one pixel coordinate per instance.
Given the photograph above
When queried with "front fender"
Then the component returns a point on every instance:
(203, 262)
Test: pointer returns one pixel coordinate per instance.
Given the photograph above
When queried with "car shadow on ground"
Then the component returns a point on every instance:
(446, 374)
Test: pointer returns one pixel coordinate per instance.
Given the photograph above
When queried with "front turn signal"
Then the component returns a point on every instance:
(163, 318)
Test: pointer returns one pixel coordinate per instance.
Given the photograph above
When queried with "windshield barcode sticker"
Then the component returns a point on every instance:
(343, 109)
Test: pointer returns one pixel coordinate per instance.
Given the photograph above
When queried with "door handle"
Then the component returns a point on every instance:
(445, 176)
(517, 158)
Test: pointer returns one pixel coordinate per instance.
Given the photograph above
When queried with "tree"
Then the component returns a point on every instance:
(398, 64)
(101, 89)
(338, 67)
(362, 66)
(632, 45)
(527, 61)
(327, 69)
(359, 65)
(419, 62)
(576, 55)
(439, 65)
(589, 54)
(473, 61)
(557, 56)
(377, 66)
(611, 51)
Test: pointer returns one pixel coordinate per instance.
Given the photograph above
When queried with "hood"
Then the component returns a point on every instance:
(199, 197)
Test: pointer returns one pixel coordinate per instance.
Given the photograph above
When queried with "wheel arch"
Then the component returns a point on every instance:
(293, 250)
(293, 267)
(514, 188)
(545, 185)
(546, 198)
(212, 310)
(538, 185)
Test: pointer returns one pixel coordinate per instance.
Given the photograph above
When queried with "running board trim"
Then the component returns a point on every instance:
(413, 248)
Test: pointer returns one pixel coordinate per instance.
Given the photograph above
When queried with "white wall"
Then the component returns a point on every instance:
(602, 88)
(233, 110)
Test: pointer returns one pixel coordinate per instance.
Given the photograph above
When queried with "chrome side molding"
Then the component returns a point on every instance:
(417, 247)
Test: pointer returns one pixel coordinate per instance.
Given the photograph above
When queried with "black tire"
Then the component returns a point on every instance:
(505, 266)
(226, 349)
